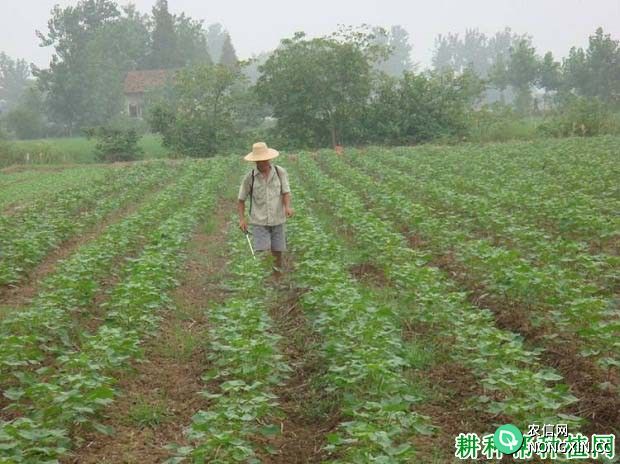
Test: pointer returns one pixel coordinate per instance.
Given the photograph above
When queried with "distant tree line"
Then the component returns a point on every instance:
(508, 62)
(95, 43)
(355, 86)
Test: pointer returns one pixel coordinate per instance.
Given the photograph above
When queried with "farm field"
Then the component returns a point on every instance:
(428, 292)
(73, 150)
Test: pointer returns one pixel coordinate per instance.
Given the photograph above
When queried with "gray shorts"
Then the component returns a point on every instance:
(269, 237)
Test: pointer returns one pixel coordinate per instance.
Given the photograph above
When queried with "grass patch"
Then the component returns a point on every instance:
(145, 413)
(73, 150)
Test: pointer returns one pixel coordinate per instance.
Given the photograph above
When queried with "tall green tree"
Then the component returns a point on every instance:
(216, 35)
(550, 73)
(198, 118)
(192, 47)
(498, 75)
(398, 50)
(595, 72)
(164, 39)
(26, 118)
(66, 82)
(318, 87)
(228, 57)
(523, 73)
(14, 75)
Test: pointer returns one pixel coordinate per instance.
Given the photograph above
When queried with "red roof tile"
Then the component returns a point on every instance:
(141, 81)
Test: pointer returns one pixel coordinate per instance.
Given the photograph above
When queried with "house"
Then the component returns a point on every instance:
(137, 83)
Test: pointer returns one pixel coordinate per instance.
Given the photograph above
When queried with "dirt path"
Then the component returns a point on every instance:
(310, 413)
(159, 397)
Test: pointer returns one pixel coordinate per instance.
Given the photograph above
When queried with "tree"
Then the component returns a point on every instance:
(595, 72)
(199, 118)
(398, 59)
(164, 39)
(25, 119)
(421, 107)
(498, 76)
(318, 88)
(228, 57)
(66, 82)
(523, 72)
(216, 35)
(549, 76)
(14, 76)
(192, 45)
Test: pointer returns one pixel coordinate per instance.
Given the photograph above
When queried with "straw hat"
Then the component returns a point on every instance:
(260, 152)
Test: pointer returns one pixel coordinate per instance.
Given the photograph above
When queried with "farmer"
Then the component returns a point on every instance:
(270, 202)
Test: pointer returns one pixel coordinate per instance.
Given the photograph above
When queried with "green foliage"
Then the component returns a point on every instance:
(421, 107)
(579, 116)
(550, 73)
(216, 35)
(76, 380)
(499, 123)
(522, 71)
(595, 72)
(317, 87)
(26, 119)
(398, 59)
(198, 120)
(164, 40)
(13, 79)
(115, 144)
(228, 57)
(474, 51)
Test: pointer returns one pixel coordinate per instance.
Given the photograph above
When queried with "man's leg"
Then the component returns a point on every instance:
(278, 244)
(261, 238)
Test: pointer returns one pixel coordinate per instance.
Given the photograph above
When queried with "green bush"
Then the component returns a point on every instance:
(25, 123)
(580, 116)
(499, 123)
(114, 144)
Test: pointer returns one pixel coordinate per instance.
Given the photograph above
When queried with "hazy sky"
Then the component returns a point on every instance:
(256, 26)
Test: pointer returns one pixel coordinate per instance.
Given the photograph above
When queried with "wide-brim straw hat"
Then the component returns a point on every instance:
(261, 152)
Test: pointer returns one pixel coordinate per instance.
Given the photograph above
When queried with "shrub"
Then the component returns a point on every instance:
(498, 123)
(579, 116)
(114, 144)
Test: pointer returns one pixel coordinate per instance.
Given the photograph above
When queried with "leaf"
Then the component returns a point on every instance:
(270, 430)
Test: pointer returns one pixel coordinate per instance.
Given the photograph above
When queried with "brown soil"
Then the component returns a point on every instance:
(452, 409)
(600, 407)
(368, 273)
(169, 378)
(309, 412)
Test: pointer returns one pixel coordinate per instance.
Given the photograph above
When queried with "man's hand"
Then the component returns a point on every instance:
(289, 211)
(243, 225)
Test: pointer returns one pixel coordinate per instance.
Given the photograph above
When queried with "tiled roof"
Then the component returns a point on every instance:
(141, 81)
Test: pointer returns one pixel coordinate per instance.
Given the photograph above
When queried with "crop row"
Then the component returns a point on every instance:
(19, 188)
(544, 189)
(245, 365)
(482, 216)
(365, 357)
(32, 334)
(555, 297)
(26, 237)
(516, 385)
(80, 382)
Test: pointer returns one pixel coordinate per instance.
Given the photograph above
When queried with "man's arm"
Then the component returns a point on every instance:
(244, 190)
(286, 199)
(243, 225)
(286, 194)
